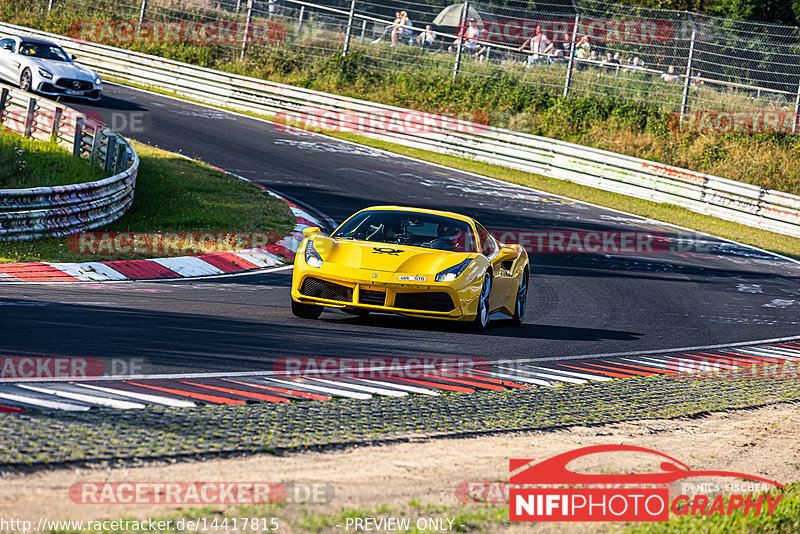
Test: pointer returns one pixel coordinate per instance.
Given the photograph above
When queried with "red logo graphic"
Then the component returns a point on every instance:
(550, 491)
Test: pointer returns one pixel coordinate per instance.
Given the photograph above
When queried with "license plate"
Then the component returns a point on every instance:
(74, 92)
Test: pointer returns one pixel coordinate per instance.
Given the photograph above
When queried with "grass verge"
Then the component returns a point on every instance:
(173, 194)
(28, 163)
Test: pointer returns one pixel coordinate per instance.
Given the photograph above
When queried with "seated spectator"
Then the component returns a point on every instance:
(468, 37)
(482, 53)
(617, 59)
(427, 38)
(538, 44)
(635, 64)
(608, 61)
(593, 56)
(390, 28)
(697, 81)
(402, 29)
(670, 75)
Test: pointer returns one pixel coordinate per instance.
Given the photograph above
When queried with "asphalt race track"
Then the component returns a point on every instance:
(579, 304)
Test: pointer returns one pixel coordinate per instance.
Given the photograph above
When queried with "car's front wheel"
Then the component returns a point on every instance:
(522, 297)
(482, 317)
(306, 311)
(26, 80)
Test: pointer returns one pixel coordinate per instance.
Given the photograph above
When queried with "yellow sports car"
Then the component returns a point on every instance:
(409, 261)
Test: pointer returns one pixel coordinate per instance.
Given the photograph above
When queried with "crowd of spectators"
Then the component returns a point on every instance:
(539, 49)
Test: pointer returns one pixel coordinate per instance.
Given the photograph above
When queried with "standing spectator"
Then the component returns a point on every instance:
(583, 50)
(538, 44)
(427, 38)
(482, 52)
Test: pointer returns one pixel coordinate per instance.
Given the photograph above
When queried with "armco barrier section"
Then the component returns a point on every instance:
(727, 199)
(65, 209)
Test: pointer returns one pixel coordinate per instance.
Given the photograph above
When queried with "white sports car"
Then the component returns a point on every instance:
(43, 67)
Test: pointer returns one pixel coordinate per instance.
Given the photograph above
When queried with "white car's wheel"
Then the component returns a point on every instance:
(25, 80)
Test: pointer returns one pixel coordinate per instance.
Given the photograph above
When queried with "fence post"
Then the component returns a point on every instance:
(363, 29)
(300, 18)
(247, 27)
(349, 28)
(143, 10)
(56, 124)
(457, 66)
(49, 6)
(77, 141)
(238, 5)
(29, 117)
(796, 108)
(571, 61)
(688, 81)
(3, 102)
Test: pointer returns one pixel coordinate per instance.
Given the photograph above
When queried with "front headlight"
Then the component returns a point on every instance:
(448, 275)
(97, 81)
(45, 74)
(312, 256)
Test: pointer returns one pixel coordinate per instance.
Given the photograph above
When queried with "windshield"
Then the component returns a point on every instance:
(43, 51)
(409, 228)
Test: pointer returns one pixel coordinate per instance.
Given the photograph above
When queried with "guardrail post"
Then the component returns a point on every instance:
(463, 18)
(3, 102)
(688, 81)
(571, 60)
(111, 149)
(247, 26)
(78, 139)
(119, 161)
(29, 117)
(97, 137)
(56, 124)
(143, 10)
(300, 18)
(349, 28)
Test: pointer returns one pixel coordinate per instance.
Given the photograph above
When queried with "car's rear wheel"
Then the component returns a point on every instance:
(482, 317)
(522, 297)
(306, 311)
(25, 80)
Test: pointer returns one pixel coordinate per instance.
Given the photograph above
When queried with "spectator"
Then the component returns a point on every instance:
(635, 64)
(427, 38)
(402, 28)
(483, 47)
(608, 61)
(390, 28)
(593, 56)
(538, 43)
(583, 50)
(670, 75)
(468, 36)
(617, 61)
(697, 81)
(276, 7)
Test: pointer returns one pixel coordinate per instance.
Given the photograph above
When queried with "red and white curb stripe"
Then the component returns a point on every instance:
(764, 361)
(215, 264)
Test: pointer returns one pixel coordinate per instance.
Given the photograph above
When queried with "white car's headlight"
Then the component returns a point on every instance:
(448, 275)
(45, 74)
(312, 256)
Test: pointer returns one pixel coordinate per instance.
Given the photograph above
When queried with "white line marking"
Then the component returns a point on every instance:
(321, 389)
(409, 389)
(42, 403)
(91, 399)
(142, 397)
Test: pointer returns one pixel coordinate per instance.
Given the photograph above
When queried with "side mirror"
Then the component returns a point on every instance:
(507, 254)
(311, 230)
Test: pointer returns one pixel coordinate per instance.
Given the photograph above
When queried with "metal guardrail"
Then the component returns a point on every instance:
(65, 209)
(727, 199)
